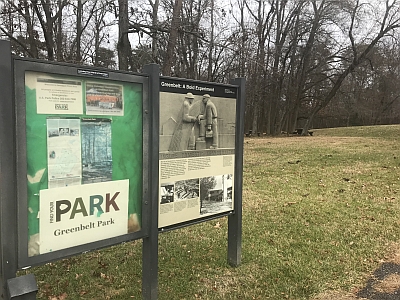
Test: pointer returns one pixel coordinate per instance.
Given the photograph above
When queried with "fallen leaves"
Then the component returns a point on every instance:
(63, 296)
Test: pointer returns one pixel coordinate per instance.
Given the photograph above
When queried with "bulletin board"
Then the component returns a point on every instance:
(81, 159)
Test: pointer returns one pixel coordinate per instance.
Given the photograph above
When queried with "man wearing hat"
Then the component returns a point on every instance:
(187, 103)
(183, 138)
(210, 128)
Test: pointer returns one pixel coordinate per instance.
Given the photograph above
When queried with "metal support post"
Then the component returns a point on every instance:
(235, 220)
(150, 243)
(8, 186)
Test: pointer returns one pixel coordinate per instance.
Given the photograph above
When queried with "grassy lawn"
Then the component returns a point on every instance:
(319, 213)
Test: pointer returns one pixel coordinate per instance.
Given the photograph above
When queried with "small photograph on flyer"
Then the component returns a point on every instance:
(167, 193)
(216, 194)
(104, 99)
(187, 189)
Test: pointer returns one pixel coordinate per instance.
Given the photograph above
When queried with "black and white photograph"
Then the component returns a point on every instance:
(216, 194)
(187, 189)
(74, 132)
(53, 132)
(63, 131)
(167, 193)
(196, 122)
(96, 150)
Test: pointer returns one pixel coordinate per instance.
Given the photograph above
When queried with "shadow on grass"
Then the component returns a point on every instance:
(382, 285)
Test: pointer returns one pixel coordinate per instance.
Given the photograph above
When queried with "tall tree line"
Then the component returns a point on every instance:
(308, 63)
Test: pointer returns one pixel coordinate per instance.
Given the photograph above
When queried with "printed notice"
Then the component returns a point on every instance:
(58, 95)
(64, 152)
(195, 192)
(104, 99)
(73, 216)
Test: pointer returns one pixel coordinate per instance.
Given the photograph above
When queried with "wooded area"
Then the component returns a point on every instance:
(308, 63)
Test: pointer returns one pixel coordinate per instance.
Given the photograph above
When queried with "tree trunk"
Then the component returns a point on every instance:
(47, 22)
(48, 34)
(255, 119)
(211, 49)
(123, 46)
(59, 37)
(29, 27)
(173, 35)
(78, 30)
(154, 41)
(46, 25)
(97, 42)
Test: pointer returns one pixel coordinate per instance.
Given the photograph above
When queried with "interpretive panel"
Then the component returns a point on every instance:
(197, 150)
(84, 158)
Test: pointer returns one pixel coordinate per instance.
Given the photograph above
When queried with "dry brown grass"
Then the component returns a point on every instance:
(336, 295)
(389, 284)
(394, 254)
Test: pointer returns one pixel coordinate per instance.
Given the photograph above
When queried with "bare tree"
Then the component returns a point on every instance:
(13, 12)
(99, 27)
(48, 13)
(173, 35)
(124, 45)
(389, 22)
(154, 43)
